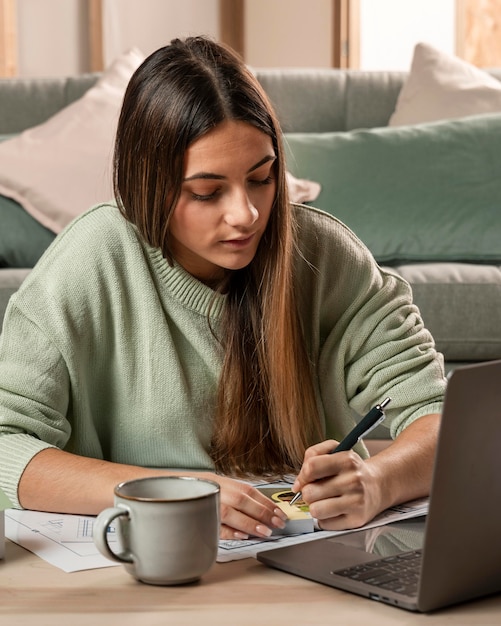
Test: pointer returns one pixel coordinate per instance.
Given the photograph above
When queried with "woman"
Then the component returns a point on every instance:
(207, 325)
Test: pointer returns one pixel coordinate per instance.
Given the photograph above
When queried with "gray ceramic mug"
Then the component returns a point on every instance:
(167, 527)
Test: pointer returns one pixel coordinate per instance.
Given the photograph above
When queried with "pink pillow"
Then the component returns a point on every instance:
(62, 167)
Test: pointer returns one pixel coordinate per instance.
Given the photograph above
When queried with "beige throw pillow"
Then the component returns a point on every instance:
(441, 86)
(60, 168)
(302, 190)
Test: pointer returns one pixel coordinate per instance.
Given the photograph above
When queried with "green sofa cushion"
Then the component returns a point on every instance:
(23, 240)
(430, 192)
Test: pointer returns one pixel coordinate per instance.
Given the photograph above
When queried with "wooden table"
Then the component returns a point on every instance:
(239, 593)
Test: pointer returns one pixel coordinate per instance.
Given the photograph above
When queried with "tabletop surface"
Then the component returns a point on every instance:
(238, 593)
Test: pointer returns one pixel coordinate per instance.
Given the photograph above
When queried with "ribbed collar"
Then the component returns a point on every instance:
(185, 288)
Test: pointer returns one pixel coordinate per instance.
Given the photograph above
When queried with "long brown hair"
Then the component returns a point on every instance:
(266, 412)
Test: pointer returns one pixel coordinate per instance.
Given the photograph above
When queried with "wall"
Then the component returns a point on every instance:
(52, 37)
(53, 34)
(389, 29)
(288, 33)
(150, 24)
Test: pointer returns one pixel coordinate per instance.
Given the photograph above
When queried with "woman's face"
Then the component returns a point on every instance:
(226, 198)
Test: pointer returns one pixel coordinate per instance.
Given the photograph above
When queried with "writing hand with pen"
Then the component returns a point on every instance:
(342, 490)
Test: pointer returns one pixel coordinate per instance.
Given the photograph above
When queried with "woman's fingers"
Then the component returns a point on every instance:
(310, 462)
(341, 489)
(246, 512)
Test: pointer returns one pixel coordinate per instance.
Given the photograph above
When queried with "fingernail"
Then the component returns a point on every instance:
(238, 535)
(264, 531)
(281, 514)
(278, 522)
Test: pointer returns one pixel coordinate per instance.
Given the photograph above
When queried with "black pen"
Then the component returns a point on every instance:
(373, 418)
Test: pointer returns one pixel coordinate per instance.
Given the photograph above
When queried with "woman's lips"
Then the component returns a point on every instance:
(239, 243)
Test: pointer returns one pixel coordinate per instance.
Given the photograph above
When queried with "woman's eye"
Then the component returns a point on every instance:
(264, 181)
(204, 197)
(213, 195)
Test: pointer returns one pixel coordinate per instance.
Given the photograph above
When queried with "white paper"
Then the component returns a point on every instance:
(62, 540)
(66, 542)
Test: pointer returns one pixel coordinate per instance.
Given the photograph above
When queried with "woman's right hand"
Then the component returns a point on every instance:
(245, 511)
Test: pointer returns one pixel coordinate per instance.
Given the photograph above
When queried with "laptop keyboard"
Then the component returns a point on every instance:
(399, 573)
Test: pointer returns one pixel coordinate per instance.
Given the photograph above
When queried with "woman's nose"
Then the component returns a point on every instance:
(240, 211)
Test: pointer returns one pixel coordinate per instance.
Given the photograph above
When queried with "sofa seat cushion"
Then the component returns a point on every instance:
(461, 305)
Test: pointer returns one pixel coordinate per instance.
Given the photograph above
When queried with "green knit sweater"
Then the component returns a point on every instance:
(106, 349)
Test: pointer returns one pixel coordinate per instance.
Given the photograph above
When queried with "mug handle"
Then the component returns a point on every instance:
(100, 534)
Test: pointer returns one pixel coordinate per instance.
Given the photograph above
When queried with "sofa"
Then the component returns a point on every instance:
(337, 133)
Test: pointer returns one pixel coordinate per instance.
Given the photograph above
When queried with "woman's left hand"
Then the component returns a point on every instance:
(342, 490)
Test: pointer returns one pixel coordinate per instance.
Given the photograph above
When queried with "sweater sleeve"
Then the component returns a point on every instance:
(387, 351)
(34, 395)
(366, 336)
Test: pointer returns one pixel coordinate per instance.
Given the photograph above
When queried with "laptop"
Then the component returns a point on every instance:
(455, 551)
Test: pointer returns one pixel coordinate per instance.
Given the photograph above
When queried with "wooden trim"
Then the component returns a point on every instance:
(346, 33)
(354, 34)
(8, 38)
(232, 24)
(478, 26)
(96, 54)
(460, 30)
